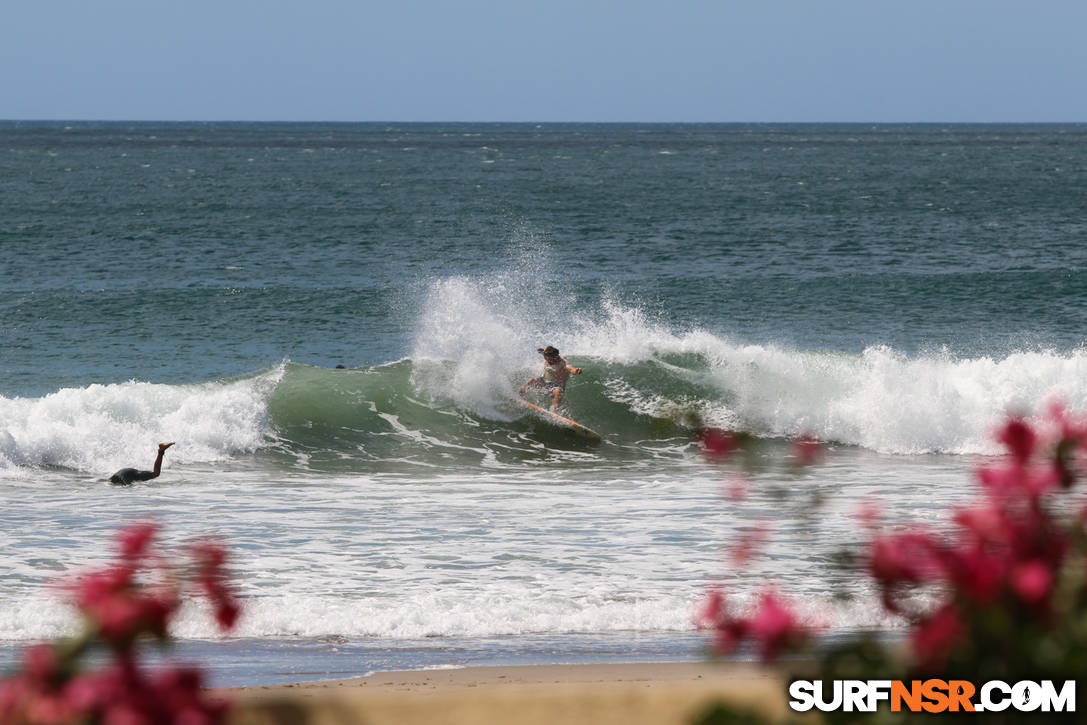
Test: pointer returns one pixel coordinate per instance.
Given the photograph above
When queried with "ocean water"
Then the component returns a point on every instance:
(892, 290)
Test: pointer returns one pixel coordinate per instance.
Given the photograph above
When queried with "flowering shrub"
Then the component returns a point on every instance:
(121, 604)
(773, 627)
(1011, 584)
(1005, 594)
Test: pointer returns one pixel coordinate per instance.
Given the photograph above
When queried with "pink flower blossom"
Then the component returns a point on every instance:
(933, 638)
(985, 522)
(978, 573)
(135, 540)
(904, 558)
(1019, 438)
(41, 663)
(210, 560)
(1010, 548)
(716, 617)
(1011, 483)
(120, 609)
(717, 443)
(773, 626)
(1033, 581)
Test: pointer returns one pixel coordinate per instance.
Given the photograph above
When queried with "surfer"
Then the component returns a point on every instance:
(129, 475)
(555, 375)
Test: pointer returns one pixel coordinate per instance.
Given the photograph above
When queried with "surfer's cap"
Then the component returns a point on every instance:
(548, 351)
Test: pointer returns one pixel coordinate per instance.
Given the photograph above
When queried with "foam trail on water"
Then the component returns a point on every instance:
(100, 428)
(41, 617)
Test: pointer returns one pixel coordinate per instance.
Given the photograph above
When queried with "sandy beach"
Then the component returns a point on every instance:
(626, 694)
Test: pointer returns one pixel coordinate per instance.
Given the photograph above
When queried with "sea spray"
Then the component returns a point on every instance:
(477, 337)
(467, 347)
(477, 340)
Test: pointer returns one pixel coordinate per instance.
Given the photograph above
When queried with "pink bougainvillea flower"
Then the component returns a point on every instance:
(717, 443)
(135, 540)
(1011, 483)
(210, 557)
(1019, 438)
(49, 708)
(728, 635)
(180, 692)
(976, 572)
(1032, 581)
(40, 663)
(89, 691)
(773, 626)
(712, 609)
(1042, 480)
(1071, 429)
(986, 523)
(157, 608)
(715, 616)
(934, 637)
(1012, 547)
(909, 557)
(120, 609)
(226, 613)
(999, 480)
(96, 587)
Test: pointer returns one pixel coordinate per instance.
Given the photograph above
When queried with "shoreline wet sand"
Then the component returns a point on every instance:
(624, 694)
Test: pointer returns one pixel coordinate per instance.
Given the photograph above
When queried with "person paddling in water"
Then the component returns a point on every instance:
(127, 476)
(555, 375)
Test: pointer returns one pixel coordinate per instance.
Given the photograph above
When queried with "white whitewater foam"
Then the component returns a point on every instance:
(888, 402)
(100, 428)
(441, 614)
(478, 338)
(881, 400)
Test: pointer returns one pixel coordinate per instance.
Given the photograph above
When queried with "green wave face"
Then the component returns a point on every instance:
(646, 401)
(344, 419)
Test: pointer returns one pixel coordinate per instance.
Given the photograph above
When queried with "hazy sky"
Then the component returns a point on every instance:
(551, 60)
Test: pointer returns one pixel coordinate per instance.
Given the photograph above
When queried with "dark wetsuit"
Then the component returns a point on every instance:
(130, 475)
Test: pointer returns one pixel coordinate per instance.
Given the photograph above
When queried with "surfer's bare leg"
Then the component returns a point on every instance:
(158, 458)
(556, 398)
